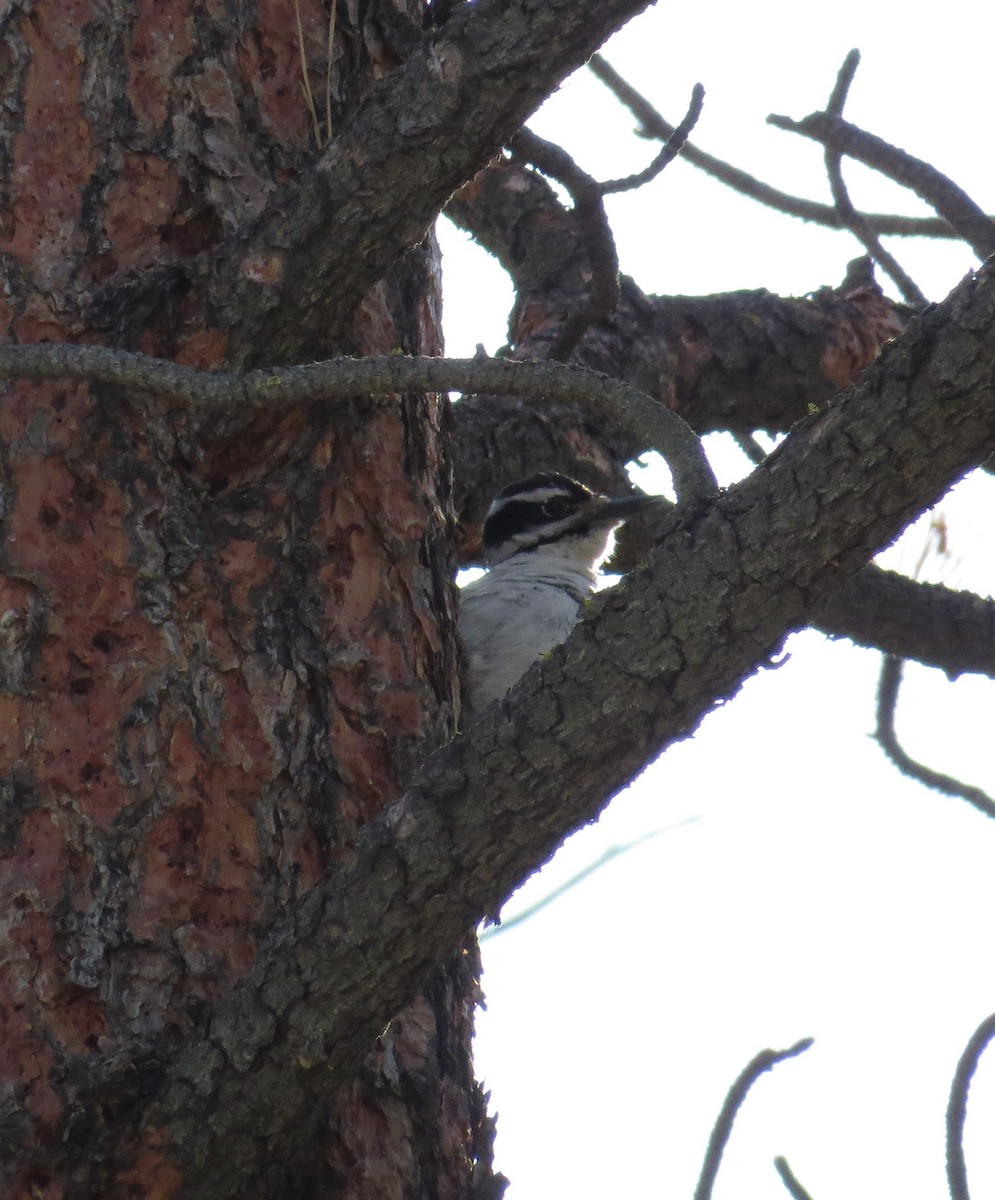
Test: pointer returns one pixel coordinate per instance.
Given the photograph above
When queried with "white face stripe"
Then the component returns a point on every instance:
(537, 496)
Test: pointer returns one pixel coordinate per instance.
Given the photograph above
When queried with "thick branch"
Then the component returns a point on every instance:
(723, 591)
(293, 283)
(937, 626)
(743, 361)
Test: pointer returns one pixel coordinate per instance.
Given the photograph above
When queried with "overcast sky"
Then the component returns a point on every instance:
(799, 885)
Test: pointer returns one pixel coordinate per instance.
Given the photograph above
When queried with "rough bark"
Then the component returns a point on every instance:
(219, 658)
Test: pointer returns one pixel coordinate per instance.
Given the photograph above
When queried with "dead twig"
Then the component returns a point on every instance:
(305, 77)
(722, 1129)
(853, 220)
(795, 1189)
(929, 184)
(675, 143)
(613, 852)
(333, 8)
(957, 1108)
(889, 683)
(654, 125)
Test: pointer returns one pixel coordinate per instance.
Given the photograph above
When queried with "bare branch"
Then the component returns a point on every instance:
(889, 682)
(950, 201)
(654, 125)
(957, 1108)
(857, 224)
(593, 229)
(722, 1129)
(674, 144)
(795, 1189)
(265, 390)
(936, 625)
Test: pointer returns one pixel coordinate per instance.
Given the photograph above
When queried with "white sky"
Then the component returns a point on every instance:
(817, 892)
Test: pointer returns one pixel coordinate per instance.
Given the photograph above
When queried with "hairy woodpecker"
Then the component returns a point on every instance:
(544, 539)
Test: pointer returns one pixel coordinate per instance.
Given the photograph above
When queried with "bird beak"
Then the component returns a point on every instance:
(608, 510)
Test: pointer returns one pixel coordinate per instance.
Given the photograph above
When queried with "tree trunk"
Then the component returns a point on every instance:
(223, 649)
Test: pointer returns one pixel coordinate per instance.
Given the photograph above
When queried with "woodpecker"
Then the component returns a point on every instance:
(544, 539)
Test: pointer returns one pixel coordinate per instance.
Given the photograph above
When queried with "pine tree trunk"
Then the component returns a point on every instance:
(223, 643)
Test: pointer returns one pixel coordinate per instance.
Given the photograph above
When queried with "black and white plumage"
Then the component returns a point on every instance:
(544, 539)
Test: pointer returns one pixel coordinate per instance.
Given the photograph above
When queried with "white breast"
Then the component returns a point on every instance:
(518, 611)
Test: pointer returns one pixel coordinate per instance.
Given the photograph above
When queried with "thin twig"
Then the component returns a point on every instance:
(795, 1189)
(722, 1129)
(211, 395)
(957, 1107)
(602, 860)
(589, 211)
(931, 185)
(674, 144)
(889, 683)
(857, 225)
(654, 125)
(305, 81)
(333, 8)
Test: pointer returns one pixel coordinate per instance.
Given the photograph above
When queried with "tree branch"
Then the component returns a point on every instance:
(853, 220)
(593, 229)
(742, 361)
(672, 146)
(939, 627)
(722, 1130)
(957, 1108)
(950, 201)
(794, 1188)
(654, 125)
(889, 682)
(212, 394)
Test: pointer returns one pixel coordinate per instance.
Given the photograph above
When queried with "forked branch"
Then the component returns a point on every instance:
(737, 1094)
(931, 185)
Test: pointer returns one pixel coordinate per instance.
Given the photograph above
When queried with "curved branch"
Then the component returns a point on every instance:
(209, 394)
(592, 228)
(722, 1129)
(674, 144)
(950, 201)
(889, 683)
(957, 1107)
